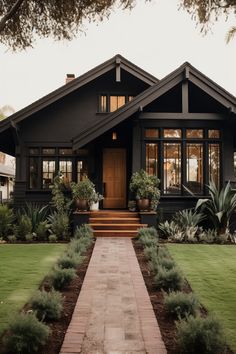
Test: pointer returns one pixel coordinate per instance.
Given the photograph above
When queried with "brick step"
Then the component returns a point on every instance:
(114, 220)
(115, 233)
(101, 226)
(113, 214)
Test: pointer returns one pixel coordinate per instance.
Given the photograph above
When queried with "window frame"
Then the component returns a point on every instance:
(108, 95)
(205, 141)
(57, 157)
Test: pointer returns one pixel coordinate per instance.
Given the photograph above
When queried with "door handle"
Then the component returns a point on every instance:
(104, 189)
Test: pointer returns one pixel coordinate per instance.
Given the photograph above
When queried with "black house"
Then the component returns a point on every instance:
(116, 119)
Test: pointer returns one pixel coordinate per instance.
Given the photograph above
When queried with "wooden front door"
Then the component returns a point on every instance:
(114, 178)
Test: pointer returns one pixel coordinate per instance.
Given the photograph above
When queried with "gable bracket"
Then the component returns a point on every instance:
(118, 76)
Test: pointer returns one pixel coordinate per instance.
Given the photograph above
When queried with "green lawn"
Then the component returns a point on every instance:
(211, 271)
(22, 268)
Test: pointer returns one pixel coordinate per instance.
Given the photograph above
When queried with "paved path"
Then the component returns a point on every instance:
(113, 314)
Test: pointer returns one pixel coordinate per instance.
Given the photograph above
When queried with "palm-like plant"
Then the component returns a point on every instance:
(219, 207)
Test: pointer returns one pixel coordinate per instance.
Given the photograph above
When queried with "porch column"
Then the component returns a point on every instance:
(137, 142)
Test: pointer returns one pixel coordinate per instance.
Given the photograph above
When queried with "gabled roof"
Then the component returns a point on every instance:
(77, 83)
(185, 71)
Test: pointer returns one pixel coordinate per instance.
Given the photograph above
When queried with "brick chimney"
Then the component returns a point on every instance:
(69, 77)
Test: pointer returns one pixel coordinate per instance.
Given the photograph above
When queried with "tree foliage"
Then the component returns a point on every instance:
(21, 20)
(206, 12)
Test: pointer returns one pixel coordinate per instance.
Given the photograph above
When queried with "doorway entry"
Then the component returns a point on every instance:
(114, 178)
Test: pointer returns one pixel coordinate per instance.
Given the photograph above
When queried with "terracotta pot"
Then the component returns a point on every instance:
(143, 204)
(81, 204)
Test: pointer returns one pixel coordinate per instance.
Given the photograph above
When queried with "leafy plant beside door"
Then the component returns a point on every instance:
(146, 190)
(82, 193)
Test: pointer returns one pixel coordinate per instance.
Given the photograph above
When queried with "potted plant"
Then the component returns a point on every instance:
(94, 201)
(146, 190)
(82, 193)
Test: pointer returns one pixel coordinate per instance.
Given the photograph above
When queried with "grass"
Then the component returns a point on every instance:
(211, 269)
(22, 269)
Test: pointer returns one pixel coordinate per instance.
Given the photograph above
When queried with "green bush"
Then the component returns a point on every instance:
(47, 305)
(26, 335)
(36, 213)
(179, 304)
(41, 230)
(169, 280)
(62, 277)
(29, 238)
(11, 238)
(6, 220)
(24, 226)
(151, 252)
(69, 261)
(163, 252)
(166, 263)
(59, 225)
(154, 265)
(52, 238)
(200, 335)
(78, 246)
(83, 231)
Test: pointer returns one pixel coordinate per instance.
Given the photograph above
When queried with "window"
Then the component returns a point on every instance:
(110, 103)
(50, 151)
(65, 151)
(82, 170)
(65, 167)
(103, 104)
(214, 163)
(213, 134)
(172, 133)
(179, 160)
(194, 165)
(49, 169)
(33, 172)
(172, 168)
(151, 133)
(194, 133)
(152, 159)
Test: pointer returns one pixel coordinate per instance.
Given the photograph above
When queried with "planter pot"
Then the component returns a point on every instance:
(94, 206)
(81, 204)
(143, 204)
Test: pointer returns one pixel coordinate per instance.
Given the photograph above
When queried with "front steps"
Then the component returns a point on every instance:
(115, 223)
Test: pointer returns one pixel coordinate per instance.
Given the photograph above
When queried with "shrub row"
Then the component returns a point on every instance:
(194, 334)
(28, 331)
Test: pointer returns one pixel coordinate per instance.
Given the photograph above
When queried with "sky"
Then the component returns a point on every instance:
(155, 36)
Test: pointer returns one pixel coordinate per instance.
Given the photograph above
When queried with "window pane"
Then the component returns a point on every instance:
(82, 170)
(65, 167)
(151, 133)
(194, 133)
(172, 133)
(66, 151)
(48, 172)
(194, 155)
(214, 163)
(152, 159)
(116, 102)
(49, 151)
(214, 133)
(33, 170)
(130, 98)
(172, 168)
(34, 151)
(103, 103)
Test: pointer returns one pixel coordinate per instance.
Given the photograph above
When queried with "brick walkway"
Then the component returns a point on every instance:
(113, 314)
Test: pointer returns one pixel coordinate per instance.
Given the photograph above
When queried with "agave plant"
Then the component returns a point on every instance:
(188, 218)
(219, 207)
(36, 213)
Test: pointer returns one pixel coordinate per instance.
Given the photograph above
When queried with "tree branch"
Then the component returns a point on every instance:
(10, 13)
